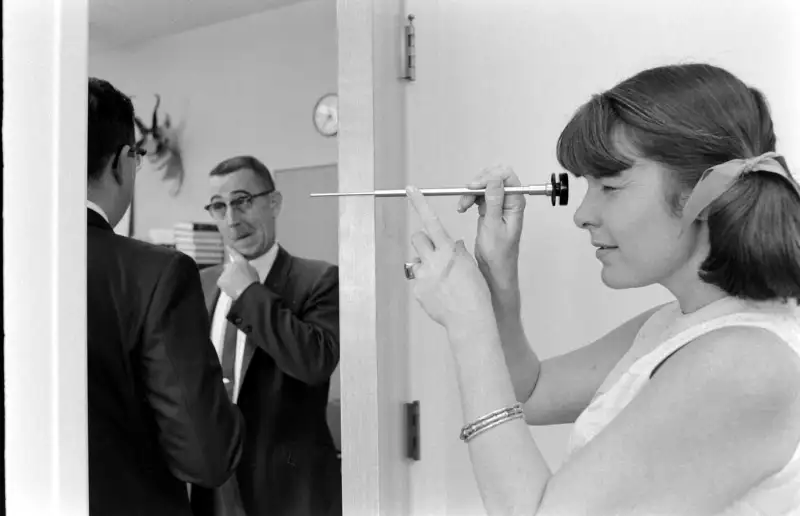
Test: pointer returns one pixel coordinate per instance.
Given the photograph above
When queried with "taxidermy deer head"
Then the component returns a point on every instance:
(161, 144)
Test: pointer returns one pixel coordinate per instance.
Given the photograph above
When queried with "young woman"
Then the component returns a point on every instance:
(691, 408)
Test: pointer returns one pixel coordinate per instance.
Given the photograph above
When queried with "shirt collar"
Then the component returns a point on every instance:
(94, 207)
(263, 264)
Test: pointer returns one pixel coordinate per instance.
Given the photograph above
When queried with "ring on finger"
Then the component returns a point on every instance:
(408, 268)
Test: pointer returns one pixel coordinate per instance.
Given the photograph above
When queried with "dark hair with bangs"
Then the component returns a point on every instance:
(689, 118)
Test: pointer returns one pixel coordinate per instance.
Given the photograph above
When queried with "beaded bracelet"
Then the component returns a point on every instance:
(491, 420)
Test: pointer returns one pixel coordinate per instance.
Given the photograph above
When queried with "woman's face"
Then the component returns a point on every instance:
(638, 238)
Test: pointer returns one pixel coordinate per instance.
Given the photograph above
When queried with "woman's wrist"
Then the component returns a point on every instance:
(506, 302)
(465, 330)
(500, 276)
(503, 283)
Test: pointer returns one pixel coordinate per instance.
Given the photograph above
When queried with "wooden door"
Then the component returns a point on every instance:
(495, 83)
(307, 226)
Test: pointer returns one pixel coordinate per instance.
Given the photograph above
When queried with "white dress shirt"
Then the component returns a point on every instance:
(219, 322)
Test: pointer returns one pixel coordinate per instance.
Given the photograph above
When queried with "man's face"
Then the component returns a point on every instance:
(247, 223)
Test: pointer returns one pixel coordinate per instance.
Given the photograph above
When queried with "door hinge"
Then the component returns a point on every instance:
(411, 53)
(412, 430)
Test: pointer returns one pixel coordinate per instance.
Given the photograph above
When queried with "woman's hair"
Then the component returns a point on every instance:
(689, 118)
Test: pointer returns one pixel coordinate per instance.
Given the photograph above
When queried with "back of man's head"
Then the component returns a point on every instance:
(110, 125)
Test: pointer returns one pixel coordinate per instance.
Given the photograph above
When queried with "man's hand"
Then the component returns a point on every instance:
(237, 275)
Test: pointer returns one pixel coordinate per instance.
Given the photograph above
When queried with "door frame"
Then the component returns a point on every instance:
(46, 394)
(46, 428)
(373, 238)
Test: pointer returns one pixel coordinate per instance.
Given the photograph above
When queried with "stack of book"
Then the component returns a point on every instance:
(163, 237)
(201, 241)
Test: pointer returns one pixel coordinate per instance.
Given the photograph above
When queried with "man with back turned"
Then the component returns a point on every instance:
(159, 416)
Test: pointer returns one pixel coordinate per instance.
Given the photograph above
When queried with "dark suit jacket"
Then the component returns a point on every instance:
(159, 415)
(290, 464)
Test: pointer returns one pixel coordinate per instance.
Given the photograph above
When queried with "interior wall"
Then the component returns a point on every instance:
(496, 83)
(246, 86)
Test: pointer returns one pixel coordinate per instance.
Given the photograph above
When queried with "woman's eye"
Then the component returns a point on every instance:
(607, 188)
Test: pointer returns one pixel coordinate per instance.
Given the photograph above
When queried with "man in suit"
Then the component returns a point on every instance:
(275, 323)
(159, 415)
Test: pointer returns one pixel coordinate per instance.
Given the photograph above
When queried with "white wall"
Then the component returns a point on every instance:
(496, 83)
(247, 86)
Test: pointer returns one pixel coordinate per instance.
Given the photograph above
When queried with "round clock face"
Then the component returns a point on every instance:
(326, 115)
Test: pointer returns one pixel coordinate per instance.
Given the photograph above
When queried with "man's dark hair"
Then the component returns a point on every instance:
(110, 125)
(237, 163)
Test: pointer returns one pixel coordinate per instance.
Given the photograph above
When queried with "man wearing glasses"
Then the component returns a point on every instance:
(275, 324)
(159, 415)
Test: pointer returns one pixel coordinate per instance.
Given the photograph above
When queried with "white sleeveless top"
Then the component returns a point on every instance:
(666, 331)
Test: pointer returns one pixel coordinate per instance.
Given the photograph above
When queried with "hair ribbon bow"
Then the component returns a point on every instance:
(718, 179)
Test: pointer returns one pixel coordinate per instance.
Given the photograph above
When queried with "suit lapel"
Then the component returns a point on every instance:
(276, 282)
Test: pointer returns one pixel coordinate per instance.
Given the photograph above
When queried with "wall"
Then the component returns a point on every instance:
(496, 83)
(247, 86)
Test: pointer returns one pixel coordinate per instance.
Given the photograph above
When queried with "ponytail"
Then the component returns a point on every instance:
(754, 236)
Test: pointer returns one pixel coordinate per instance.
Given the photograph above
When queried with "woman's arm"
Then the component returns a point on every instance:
(568, 382)
(720, 415)
(557, 390)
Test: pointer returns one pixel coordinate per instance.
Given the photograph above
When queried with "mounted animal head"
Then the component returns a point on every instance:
(156, 139)
(161, 143)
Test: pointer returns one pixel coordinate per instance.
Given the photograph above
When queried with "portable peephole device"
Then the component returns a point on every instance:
(557, 189)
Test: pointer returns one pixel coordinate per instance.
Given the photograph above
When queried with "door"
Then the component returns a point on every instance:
(298, 231)
(495, 83)
(309, 227)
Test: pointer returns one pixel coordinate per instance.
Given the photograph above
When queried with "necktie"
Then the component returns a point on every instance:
(229, 358)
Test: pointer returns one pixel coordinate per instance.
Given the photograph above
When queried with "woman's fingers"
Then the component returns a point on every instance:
(430, 221)
(504, 174)
(422, 245)
(465, 202)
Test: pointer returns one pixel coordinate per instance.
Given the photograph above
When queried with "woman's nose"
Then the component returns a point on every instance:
(586, 214)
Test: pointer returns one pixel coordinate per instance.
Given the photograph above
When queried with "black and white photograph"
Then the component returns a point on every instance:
(401, 258)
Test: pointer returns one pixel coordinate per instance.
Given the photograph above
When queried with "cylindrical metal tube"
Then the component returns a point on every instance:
(529, 190)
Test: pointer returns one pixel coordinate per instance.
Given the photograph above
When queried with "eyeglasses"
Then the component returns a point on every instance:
(242, 203)
(133, 152)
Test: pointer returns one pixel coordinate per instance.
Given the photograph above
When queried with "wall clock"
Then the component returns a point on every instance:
(326, 115)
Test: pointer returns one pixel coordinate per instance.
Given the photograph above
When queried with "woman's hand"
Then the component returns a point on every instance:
(500, 219)
(447, 281)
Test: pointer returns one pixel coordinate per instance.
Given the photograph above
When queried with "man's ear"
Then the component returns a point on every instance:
(277, 203)
(116, 164)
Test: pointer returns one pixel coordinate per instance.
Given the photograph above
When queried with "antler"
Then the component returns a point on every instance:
(142, 129)
(154, 128)
(165, 154)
